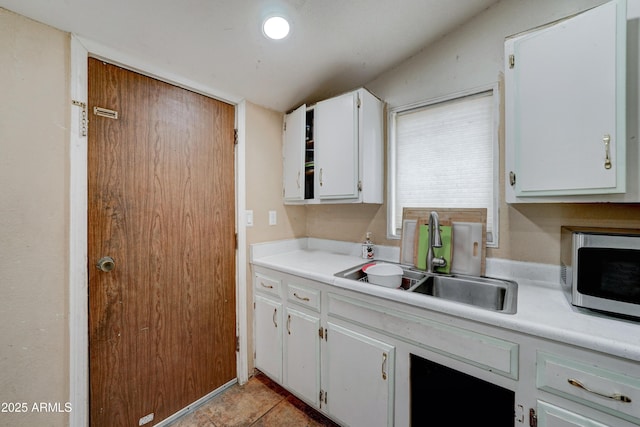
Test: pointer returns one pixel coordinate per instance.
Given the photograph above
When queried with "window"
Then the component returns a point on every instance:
(444, 153)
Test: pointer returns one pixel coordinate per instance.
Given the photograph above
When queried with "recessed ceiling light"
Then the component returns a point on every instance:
(275, 27)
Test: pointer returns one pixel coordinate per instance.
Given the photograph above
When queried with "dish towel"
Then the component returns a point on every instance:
(445, 251)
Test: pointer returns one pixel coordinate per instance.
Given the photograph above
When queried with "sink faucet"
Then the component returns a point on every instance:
(435, 241)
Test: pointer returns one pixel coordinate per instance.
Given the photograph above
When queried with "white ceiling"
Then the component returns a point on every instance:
(334, 45)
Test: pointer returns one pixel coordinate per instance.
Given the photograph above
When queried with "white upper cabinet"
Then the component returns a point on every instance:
(565, 109)
(336, 135)
(294, 155)
(333, 151)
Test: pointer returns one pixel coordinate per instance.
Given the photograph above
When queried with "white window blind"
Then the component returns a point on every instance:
(444, 155)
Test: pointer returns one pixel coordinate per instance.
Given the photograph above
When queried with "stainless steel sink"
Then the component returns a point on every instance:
(483, 292)
(488, 293)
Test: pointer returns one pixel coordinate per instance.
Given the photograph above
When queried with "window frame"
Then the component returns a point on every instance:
(494, 237)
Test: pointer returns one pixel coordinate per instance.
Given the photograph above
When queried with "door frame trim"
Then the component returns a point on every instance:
(80, 50)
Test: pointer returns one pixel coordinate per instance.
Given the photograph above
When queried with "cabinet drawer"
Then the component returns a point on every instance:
(303, 295)
(267, 284)
(608, 390)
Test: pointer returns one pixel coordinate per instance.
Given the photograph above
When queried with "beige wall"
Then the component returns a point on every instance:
(264, 178)
(349, 223)
(263, 162)
(34, 165)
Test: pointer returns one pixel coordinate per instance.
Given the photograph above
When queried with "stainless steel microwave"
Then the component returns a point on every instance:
(600, 269)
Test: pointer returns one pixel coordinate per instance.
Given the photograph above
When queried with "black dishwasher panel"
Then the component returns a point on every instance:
(442, 393)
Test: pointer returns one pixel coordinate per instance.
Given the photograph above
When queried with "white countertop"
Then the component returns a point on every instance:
(542, 308)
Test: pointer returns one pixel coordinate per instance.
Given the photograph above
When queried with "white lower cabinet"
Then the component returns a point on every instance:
(286, 326)
(555, 416)
(268, 336)
(580, 388)
(342, 372)
(359, 379)
(348, 355)
(302, 354)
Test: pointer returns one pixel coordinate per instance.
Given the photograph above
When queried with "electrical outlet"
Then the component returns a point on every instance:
(273, 218)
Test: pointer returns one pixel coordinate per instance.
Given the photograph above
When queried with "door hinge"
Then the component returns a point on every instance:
(237, 344)
(105, 112)
(533, 418)
(236, 238)
(323, 397)
(323, 333)
(359, 185)
(84, 123)
(358, 103)
(512, 178)
(512, 60)
(285, 126)
(235, 137)
(520, 414)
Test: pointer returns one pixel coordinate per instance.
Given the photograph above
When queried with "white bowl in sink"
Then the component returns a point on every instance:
(387, 275)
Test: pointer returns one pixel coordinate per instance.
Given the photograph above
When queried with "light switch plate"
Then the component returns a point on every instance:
(249, 218)
(273, 218)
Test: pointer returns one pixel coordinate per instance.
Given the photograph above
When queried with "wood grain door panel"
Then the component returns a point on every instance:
(162, 205)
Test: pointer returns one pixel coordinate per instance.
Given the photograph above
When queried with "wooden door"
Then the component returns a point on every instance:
(162, 205)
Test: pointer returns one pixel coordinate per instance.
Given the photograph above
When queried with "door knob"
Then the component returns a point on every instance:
(106, 264)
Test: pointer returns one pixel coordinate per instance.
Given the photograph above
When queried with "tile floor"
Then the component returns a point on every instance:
(258, 403)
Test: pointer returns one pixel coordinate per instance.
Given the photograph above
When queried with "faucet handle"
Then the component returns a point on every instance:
(439, 262)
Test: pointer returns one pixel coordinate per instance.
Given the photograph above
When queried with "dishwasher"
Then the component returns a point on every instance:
(442, 393)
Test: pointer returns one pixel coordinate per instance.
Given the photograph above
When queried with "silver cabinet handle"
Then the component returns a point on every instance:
(384, 366)
(298, 179)
(106, 264)
(266, 286)
(275, 311)
(300, 298)
(615, 396)
(320, 177)
(607, 157)
(289, 324)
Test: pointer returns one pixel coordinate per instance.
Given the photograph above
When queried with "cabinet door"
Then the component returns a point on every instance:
(336, 138)
(554, 416)
(566, 104)
(302, 355)
(293, 154)
(359, 378)
(268, 337)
